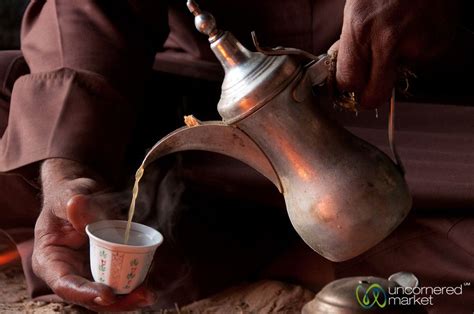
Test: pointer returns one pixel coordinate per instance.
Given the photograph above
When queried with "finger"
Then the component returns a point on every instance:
(56, 197)
(80, 213)
(352, 60)
(51, 231)
(63, 269)
(334, 48)
(97, 296)
(85, 209)
(139, 298)
(81, 291)
(382, 76)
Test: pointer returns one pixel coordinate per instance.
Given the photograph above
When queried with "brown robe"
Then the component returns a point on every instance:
(86, 67)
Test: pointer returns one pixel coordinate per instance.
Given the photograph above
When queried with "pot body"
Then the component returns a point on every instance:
(342, 194)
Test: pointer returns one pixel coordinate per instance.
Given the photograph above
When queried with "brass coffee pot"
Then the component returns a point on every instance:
(342, 194)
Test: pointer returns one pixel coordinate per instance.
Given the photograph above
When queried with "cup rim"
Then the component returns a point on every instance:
(90, 228)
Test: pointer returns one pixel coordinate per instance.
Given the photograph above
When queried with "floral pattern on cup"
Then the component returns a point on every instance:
(102, 265)
(133, 271)
(116, 267)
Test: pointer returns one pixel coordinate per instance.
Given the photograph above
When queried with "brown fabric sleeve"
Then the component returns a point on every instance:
(87, 60)
(67, 114)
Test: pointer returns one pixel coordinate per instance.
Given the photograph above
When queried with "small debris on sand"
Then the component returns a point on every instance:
(14, 296)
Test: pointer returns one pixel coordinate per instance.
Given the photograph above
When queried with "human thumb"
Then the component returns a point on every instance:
(80, 213)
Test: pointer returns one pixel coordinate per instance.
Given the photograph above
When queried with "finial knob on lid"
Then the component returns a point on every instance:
(204, 21)
(251, 78)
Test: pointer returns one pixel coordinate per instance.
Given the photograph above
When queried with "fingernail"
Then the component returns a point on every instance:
(100, 301)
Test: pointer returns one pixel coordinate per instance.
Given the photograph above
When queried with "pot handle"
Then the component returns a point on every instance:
(217, 137)
(391, 134)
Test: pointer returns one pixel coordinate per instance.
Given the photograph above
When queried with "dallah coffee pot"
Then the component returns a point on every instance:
(342, 194)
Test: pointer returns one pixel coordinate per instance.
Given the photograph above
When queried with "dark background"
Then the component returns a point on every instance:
(446, 80)
(10, 21)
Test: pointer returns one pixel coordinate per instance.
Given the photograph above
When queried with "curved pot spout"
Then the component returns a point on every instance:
(216, 137)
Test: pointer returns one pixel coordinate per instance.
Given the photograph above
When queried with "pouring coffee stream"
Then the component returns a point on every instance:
(342, 194)
(131, 211)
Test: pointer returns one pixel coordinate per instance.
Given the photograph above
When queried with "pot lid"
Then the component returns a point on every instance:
(251, 78)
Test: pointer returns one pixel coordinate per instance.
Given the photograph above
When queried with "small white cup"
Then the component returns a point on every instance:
(121, 266)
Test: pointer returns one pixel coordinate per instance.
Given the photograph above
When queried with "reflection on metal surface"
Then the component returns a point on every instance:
(324, 209)
(287, 151)
(301, 167)
(228, 59)
(217, 137)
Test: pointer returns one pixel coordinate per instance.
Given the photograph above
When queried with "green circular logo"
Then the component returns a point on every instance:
(373, 295)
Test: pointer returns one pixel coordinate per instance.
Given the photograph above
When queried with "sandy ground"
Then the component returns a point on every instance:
(14, 297)
(264, 296)
(260, 297)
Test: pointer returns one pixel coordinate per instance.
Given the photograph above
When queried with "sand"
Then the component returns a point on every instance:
(265, 296)
(14, 296)
(260, 297)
